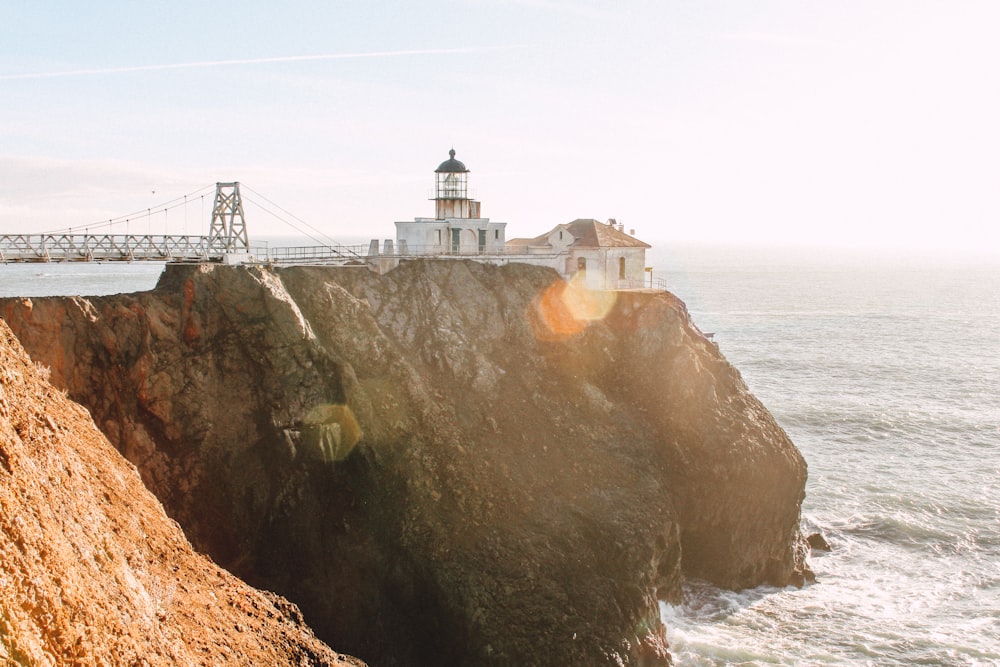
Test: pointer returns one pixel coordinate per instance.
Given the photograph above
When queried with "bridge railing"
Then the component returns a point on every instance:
(97, 247)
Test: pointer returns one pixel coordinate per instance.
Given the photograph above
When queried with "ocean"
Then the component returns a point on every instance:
(885, 371)
(884, 368)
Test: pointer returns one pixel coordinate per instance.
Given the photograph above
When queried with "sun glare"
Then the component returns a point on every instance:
(565, 308)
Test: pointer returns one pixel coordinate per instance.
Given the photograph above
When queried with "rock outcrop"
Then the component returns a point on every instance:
(453, 463)
(93, 572)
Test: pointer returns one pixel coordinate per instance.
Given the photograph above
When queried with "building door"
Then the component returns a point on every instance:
(456, 240)
(482, 241)
(581, 266)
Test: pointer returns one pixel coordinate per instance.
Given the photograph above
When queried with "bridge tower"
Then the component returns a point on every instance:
(229, 227)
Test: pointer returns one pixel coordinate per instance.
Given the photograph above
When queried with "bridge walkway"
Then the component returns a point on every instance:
(162, 248)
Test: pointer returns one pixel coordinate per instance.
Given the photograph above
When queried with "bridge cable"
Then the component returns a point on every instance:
(329, 240)
(146, 212)
(263, 208)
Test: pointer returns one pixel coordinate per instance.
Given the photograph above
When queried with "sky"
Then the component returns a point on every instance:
(862, 123)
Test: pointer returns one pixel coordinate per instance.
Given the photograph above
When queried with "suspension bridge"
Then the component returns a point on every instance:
(226, 242)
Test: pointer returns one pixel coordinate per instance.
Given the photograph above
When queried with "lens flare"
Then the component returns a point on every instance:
(564, 309)
(330, 432)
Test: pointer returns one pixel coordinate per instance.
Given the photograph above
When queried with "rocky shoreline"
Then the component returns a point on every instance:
(453, 463)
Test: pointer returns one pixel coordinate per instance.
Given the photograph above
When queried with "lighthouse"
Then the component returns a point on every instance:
(457, 227)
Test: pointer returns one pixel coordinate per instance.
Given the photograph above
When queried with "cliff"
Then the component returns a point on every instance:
(453, 463)
(94, 572)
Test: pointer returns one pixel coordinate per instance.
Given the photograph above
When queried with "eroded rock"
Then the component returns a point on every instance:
(533, 471)
(93, 572)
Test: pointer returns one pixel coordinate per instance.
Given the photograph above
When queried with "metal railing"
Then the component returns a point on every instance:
(442, 250)
(654, 283)
(107, 247)
(119, 248)
(322, 254)
(163, 248)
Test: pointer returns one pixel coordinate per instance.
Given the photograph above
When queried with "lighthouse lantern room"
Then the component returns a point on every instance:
(451, 191)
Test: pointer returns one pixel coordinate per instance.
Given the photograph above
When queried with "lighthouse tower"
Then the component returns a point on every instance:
(451, 190)
(456, 228)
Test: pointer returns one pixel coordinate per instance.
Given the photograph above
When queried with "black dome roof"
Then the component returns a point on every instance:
(451, 165)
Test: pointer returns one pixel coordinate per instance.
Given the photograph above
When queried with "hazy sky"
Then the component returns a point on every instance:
(831, 122)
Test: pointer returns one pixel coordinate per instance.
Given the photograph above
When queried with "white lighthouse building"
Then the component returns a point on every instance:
(456, 228)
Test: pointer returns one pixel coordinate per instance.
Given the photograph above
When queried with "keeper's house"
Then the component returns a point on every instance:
(600, 254)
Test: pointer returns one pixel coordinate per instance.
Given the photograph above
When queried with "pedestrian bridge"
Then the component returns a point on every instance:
(226, 241)
(109, 248)
(163, 248)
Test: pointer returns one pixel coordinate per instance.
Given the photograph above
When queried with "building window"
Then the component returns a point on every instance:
(621, 268)
(439, 236)
(496, 234)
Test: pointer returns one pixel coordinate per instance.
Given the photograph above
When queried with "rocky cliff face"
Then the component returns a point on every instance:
(453, 463)
(92, 572)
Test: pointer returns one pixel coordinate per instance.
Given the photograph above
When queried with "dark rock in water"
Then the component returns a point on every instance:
(453, 463)
(802, 577)
(818, 542)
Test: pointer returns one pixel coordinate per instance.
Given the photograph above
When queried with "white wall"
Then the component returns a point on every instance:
(429, 236)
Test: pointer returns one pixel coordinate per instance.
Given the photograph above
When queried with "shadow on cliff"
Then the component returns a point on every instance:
(428, 477)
